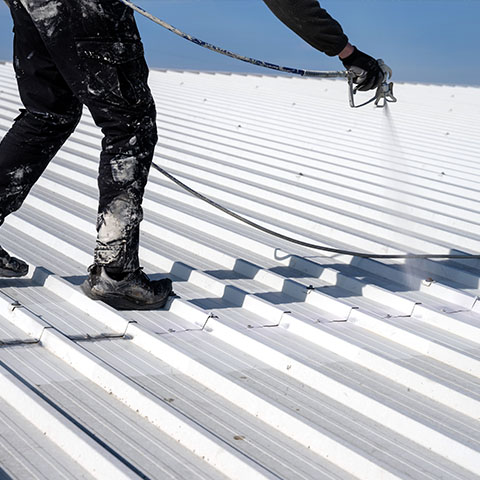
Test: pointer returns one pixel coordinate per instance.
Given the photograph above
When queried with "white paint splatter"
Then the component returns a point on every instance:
(89, 7)
(41, 13)
(112, 228)
(123, 169)
(117, 220)
(18, 175)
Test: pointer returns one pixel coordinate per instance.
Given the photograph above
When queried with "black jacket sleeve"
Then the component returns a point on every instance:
(312, 23)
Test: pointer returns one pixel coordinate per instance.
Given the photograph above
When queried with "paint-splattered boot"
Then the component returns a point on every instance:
(11, 266)
(135, 291)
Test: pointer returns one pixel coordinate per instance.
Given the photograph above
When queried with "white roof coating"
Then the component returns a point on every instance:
(274, 361)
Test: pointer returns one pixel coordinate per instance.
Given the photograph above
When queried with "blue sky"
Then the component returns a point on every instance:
(432, 41)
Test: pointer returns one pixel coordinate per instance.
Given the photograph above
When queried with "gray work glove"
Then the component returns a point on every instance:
(367, 73)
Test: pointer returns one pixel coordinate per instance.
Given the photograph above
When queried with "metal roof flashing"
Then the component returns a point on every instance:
(273, 361)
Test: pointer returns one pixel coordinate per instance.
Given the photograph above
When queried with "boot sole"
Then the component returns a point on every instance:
(120, 302)
(11, 274)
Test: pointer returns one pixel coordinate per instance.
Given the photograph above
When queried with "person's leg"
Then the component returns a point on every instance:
(124, 165)
(51, 113)
(100, 55)
(121, 103)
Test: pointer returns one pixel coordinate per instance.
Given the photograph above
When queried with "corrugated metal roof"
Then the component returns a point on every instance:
(273, 361)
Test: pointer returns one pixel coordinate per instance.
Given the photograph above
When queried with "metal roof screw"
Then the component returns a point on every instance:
(15, 304)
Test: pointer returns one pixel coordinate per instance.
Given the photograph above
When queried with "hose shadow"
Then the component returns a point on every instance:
(4, 475)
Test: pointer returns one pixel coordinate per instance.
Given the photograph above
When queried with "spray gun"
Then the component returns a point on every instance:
(384, 93)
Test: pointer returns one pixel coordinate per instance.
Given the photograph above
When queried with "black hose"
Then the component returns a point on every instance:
(223, 51)
(301, 242)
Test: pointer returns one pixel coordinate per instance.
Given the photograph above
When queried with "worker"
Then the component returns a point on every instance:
(74, 53)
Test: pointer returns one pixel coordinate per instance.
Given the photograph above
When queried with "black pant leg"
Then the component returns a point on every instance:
(96, 47)
(50, 115)
(118, 96)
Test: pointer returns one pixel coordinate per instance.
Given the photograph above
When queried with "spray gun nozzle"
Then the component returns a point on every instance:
(384, 95)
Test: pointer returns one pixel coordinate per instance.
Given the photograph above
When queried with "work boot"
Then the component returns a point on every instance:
(11, 266)
(135, 291)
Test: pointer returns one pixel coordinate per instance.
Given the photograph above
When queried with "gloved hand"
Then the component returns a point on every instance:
(368, 74)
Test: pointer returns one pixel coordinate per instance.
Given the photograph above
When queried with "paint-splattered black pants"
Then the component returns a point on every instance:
(71, 53)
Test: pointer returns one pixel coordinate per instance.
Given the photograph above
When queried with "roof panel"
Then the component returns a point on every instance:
(25, 453)
(273, 360)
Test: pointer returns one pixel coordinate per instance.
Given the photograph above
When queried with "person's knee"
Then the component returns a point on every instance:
(35, 137)
(132, 134)
(66, 122)
(47, 124)
(147, 129)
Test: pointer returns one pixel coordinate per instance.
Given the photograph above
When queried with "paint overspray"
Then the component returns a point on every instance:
(393, 149)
